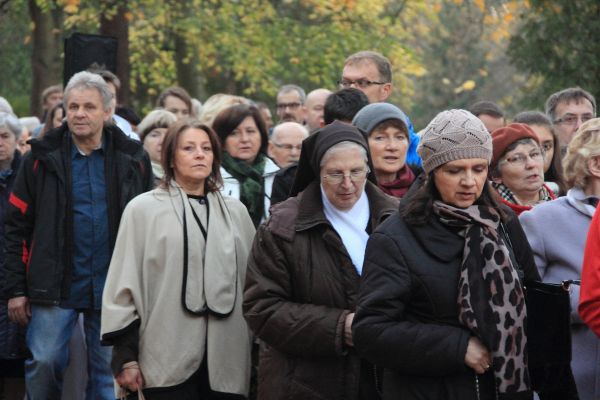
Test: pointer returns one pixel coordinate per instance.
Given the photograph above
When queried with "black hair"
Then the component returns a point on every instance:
(128, 114)
(419, 209)
(343, 105)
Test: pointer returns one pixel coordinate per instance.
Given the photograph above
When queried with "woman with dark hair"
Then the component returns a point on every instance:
(175, 317)
(553, 169)
(54, 119)
(441, 305)
(305, 268)
(176, 100)
(247, 171)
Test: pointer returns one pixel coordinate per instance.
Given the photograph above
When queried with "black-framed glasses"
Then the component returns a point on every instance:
(292, 106)
(361, 83)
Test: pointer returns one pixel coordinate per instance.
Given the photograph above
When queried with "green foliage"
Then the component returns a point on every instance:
(557, 43)
(15, 67)
(251, 47)
(464, 53)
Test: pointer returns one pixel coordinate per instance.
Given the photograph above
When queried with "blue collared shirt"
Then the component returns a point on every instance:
(91, 248)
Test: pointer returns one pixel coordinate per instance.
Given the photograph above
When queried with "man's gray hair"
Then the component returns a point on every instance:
(293, 88)
(384, 67)
(89, 80)
(12, 123)
(567, 95)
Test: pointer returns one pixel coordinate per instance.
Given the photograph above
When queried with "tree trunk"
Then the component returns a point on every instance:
(187, 75)
(47, 47)
(118, 27)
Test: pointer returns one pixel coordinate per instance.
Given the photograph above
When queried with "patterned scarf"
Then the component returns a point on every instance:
(252, 183)
(490, 296)
(509, 196)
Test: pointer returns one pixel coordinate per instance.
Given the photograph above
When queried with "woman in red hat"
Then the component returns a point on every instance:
(517, 168)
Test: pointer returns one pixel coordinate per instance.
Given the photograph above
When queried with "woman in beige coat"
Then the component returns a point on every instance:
(173, 295)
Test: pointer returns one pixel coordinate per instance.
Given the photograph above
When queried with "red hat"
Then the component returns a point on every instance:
(505, 136)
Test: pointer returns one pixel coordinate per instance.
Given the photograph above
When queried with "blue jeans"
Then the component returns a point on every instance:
(48, 337)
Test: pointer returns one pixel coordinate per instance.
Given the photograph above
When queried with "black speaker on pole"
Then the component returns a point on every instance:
(83, 50)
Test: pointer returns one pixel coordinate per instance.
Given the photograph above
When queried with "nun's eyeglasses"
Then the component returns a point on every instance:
(337, 177)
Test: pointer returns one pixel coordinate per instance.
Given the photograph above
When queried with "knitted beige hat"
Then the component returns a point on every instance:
(454, 135)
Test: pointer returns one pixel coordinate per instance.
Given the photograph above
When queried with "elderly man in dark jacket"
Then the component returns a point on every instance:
(63, 218)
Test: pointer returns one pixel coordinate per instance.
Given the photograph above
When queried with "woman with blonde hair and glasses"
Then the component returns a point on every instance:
(517, 168)
(557, 232)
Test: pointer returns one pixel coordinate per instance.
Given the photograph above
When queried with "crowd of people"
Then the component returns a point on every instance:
(206, 251)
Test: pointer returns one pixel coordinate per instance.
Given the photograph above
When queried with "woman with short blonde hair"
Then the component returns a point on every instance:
(557, 232)
(584, 146)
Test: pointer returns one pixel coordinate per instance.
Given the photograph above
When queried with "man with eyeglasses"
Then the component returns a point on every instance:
(286, 142)
(290, 104)
(369, 72)
(568, 110)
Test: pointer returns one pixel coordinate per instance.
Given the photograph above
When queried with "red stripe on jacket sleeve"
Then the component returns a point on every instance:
(17, 202)
(25, 253)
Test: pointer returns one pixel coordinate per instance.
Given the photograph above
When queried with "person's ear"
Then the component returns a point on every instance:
(386, 91)
(270, 149)
(594, 166)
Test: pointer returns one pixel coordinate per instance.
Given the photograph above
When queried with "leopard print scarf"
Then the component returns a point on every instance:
(491, 299)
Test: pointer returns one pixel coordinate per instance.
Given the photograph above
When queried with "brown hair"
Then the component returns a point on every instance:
(178, 92)
(384, 67)
(50, 118)
(169, 147)
(230, 118)
(575, 94)
(391, 123)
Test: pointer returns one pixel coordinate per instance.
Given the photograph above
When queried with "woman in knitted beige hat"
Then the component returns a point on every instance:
(441, 305)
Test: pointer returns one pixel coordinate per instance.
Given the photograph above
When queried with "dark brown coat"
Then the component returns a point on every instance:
(300, 286)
